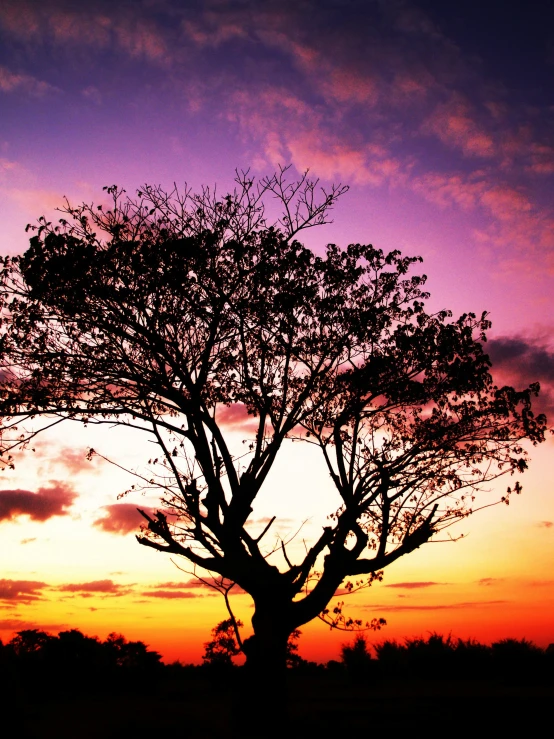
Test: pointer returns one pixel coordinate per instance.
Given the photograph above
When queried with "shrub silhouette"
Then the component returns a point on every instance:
(357, 659)
(518, 660)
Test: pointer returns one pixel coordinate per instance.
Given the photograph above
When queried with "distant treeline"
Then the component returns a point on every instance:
(437, 657)
(73, 662)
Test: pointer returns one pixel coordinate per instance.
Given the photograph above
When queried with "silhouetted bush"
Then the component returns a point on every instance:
(392, 658)
(357, 658)
(439, 657)
(519, 660)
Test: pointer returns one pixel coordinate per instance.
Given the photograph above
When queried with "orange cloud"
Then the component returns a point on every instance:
(40, 506)
(95, 586)
(415, 585)
(170, 594)
(14, 624)
(487, 581)
(21, 591)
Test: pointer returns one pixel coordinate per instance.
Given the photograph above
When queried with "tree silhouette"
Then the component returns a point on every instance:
(223, 647)
(160, 313)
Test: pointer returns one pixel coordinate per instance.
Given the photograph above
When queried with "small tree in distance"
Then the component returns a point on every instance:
(157, 313)
(223, 647)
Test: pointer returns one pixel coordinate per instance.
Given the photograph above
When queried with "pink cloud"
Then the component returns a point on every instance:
(515, 222)
(505, 203)
(456, 125)
(14, 82)
(236, 416)
(21, 591)
(348, 86)
(541, 159)
(40, 506)
(331, 159)
(121, 518)
(121, 29)
(35, 202)
(76, 461)
(546, 524)
(213, 34)
(446, 190)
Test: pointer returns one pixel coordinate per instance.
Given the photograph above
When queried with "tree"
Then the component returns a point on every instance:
(224, 646)
(158, 312)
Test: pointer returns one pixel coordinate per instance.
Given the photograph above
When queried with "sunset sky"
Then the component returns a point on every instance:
(439, 116)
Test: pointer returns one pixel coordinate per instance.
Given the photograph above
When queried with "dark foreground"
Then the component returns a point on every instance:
(194, 705)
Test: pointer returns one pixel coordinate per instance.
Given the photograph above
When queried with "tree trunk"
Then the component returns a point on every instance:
(264, 699)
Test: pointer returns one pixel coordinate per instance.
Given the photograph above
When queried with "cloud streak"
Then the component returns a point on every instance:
(435, 607)
(414, 585)
(171, 594)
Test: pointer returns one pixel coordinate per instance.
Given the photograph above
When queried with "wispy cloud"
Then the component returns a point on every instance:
(488, 581)
(19, 82)
(171, 594)
(455, 124)
(434, 607)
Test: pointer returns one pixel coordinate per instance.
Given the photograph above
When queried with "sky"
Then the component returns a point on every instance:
(439, 118)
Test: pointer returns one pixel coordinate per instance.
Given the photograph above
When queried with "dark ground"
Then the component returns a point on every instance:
(321, 705)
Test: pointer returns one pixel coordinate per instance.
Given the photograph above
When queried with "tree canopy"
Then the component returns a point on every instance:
(158, 312)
